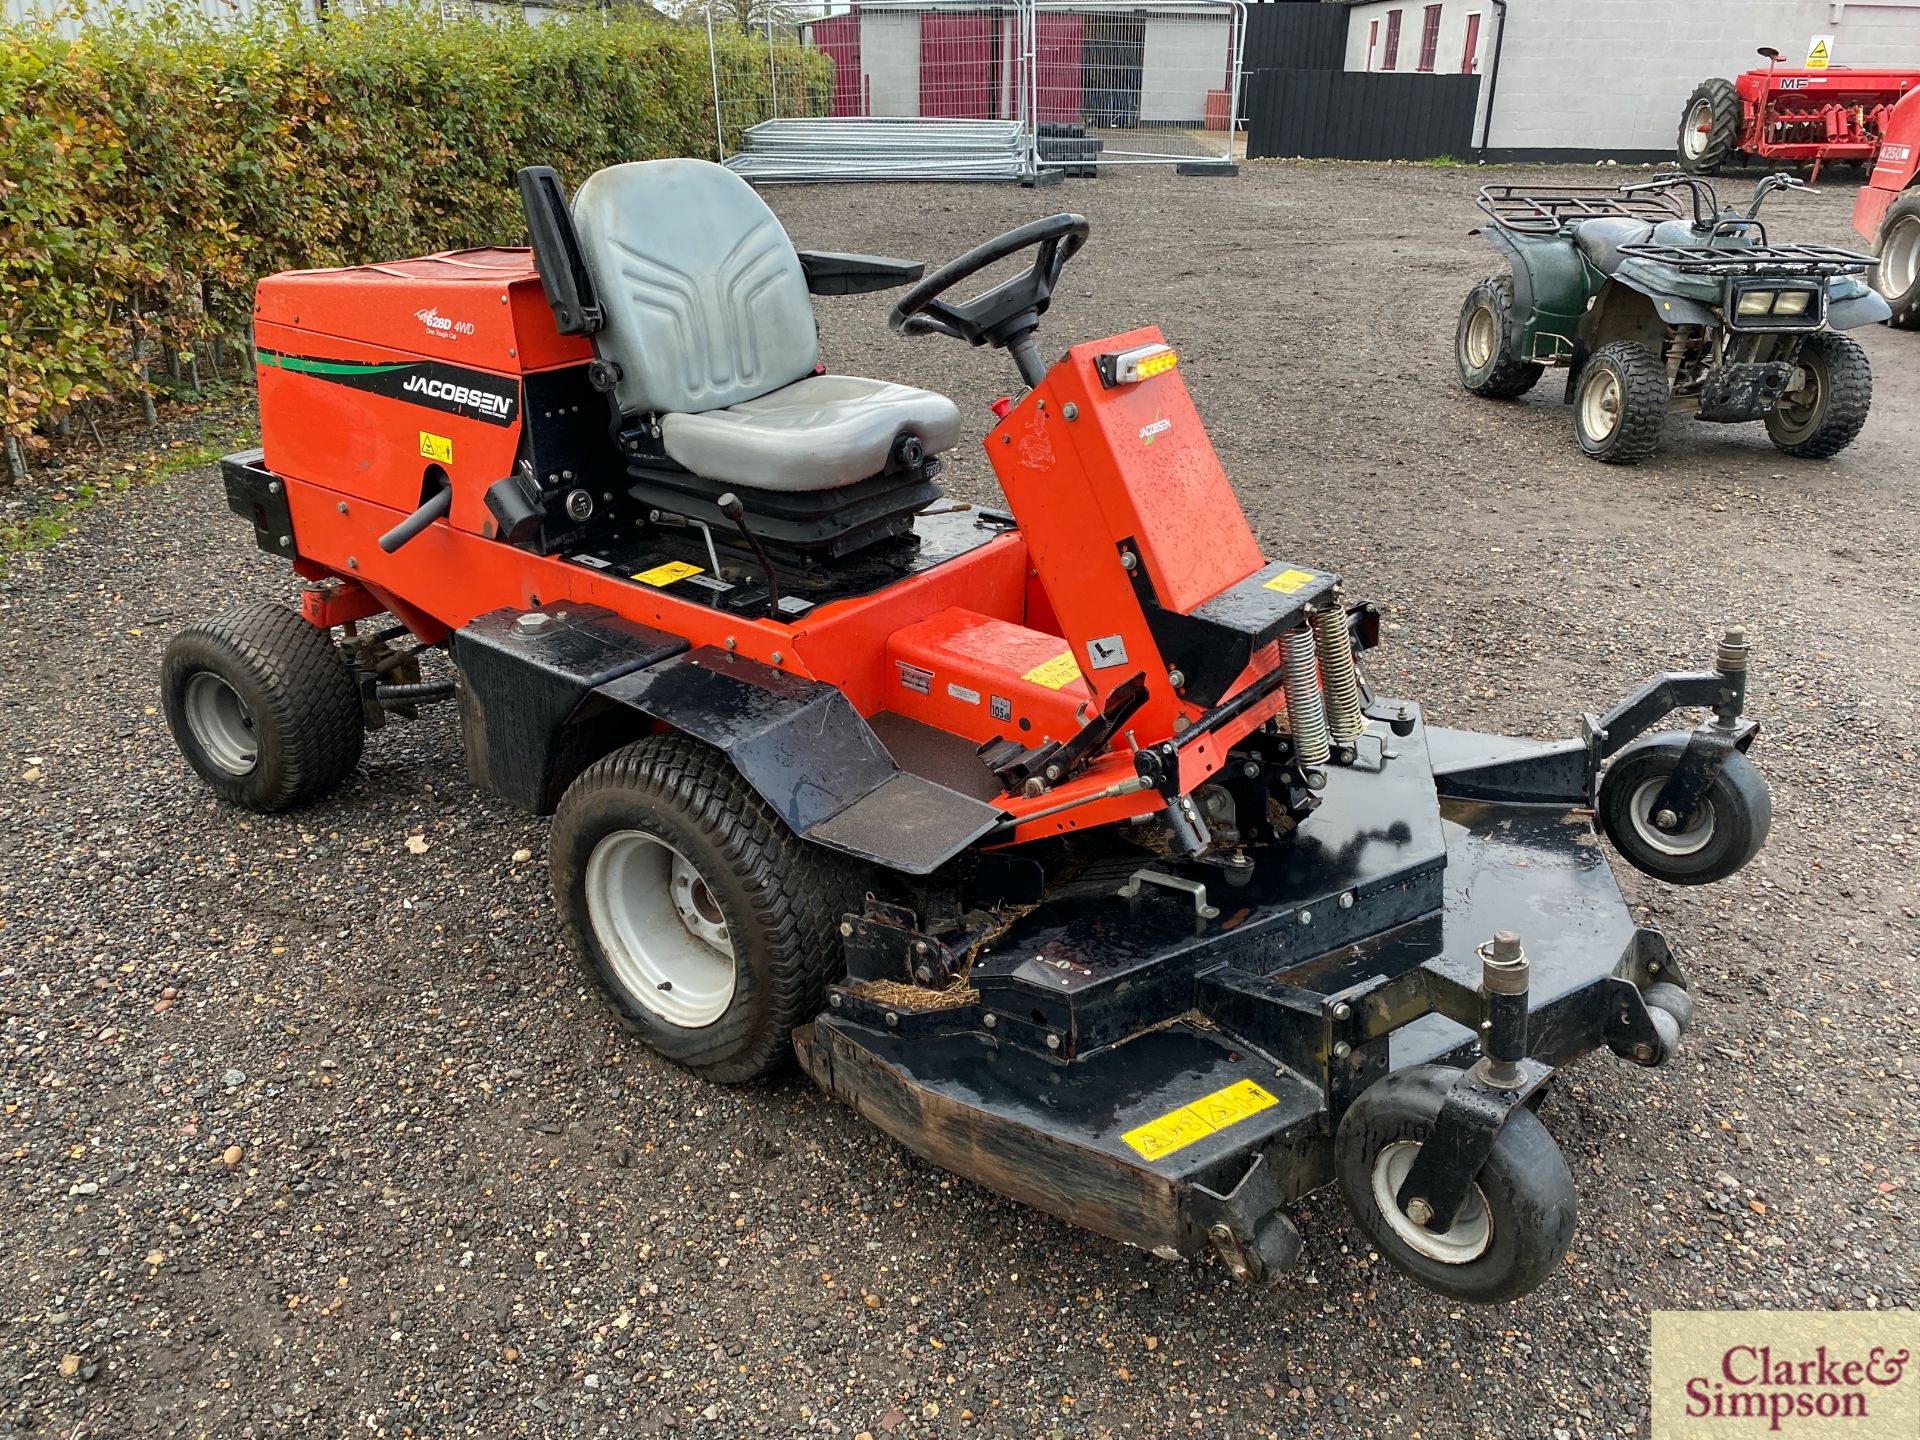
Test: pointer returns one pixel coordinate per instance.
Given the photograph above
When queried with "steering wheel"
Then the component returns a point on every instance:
(1006, 315)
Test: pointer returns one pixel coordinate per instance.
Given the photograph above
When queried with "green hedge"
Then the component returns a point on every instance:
(152, 170)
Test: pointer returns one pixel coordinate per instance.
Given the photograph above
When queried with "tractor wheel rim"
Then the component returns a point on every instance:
(1465, 1240)
(661, 929)
(1600, 404)
(1900, 258)
(1800, 406)
(221, 723)
(1689, 839)
(1481, 329)
(1698, 128)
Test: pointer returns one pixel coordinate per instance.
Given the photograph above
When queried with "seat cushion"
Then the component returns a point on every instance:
(815, 434)
(1600, 239)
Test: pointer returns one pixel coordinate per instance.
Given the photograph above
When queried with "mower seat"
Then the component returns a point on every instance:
(707, 317)
(1600, 239)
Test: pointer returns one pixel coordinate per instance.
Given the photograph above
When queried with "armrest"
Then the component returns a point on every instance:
(834, 274)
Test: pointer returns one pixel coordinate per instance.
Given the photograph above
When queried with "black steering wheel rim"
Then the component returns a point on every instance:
(1007, 310)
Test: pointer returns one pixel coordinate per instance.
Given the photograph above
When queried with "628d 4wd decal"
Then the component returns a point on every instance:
(454, 389)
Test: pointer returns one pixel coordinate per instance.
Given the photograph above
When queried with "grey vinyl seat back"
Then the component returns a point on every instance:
(705, 304)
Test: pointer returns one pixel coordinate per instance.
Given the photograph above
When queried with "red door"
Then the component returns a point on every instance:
(838, 37)
(956, 66)
(1057, 66)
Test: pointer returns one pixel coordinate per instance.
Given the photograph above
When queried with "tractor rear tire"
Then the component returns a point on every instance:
(1897, 276)
(1511, 1232)
(1835, 406)
(1709, 127)
(263, 707)
(1620, 403)
(1487, 363)
(712, 927)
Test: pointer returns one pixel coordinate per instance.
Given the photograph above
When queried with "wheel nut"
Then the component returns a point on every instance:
(1666, 820)
(1419, 1211)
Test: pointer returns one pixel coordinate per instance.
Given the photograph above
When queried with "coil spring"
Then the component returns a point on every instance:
(1306, 711)
(1337, 674)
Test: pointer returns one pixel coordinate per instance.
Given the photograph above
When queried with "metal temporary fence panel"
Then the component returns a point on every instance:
(1353, 115)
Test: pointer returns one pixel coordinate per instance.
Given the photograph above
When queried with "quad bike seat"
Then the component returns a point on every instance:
(708, 324)
(1600, 238)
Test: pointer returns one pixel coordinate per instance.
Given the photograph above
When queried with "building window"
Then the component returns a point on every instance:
(1470, 54)
(1373, 40)
(1429, 37)
(1392, 53)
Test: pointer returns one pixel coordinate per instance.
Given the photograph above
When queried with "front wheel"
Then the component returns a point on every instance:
(1487, 363)
(1832, 392)
(1620, 403)
(1728, 825)
(711, 926)
(1515, 1223)
(1897, 276)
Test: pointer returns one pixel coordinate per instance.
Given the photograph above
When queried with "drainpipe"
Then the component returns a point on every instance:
(1493, 79)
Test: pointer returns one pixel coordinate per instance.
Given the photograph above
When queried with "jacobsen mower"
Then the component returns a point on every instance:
(1887, 213)
(1067, 845)
(1652, 309)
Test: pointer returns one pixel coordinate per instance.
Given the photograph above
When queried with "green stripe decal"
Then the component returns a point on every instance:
(307, 366)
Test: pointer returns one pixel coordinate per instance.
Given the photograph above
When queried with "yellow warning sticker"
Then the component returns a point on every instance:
(1196, 1121)
(668, 573)
(1288, 581)
(1055, 674)
(1819, 52)
(436, 447)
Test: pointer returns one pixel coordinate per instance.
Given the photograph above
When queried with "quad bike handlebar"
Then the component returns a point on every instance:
(1005, 316)
(1706, 204)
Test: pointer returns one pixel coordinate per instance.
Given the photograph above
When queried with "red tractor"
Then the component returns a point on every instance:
(1888, 213)
(1791, 115)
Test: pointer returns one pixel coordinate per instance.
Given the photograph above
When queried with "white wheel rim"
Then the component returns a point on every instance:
(1465, 1240)
(661, 928)
(1481, 329)
(1900, 258)
(1687, 840)
(221, 723)
(1698, 128)
(1600, 403)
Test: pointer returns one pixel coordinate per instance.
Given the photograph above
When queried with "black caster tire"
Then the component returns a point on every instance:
(1725, 831)
(1513, 1229)
(263, 707)
(1487, 365)
(1620, 403)
(1897, 276)
(712, 928)
(1709, 127)
(1825, 415)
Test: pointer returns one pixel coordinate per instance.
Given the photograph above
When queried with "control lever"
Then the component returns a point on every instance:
(437, 505)
(731, 507)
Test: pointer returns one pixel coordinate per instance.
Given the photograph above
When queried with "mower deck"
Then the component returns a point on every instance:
(1131, 1063)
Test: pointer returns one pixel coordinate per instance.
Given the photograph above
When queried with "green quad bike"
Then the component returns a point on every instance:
(1651, 311)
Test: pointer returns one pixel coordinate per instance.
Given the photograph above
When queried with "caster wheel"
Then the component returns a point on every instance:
(1725, 831)
(1512, 1229)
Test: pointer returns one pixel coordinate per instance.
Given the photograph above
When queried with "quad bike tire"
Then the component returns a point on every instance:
(665, 859)
(1514, 1226)
(1897, 276)
(1487, 364)
(1726, 830)
(263, 707)
(1709, 127)
(1829, 420)
(1620, 403)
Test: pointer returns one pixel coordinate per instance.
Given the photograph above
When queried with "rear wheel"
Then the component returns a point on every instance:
(1487, 363)
(1832, 392)
(711, 926)
(1620, 403)
(1897, 276)
(262, 706)
(1709, 127)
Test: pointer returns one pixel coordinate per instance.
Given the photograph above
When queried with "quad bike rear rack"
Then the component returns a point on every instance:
(1543, 212)
(1764, 259)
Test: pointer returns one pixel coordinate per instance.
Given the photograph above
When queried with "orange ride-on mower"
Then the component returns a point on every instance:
(1067, 845)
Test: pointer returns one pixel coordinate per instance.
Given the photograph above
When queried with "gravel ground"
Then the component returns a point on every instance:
(307, 1133)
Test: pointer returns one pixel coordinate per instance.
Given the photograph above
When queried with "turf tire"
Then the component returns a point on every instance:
(301, 705)
(1845, 394)
(1903, 216)
(1723, 106)
(1499, 375)
(782, 898)
(1736, 811)
(1640, 385)
(1525, 1188)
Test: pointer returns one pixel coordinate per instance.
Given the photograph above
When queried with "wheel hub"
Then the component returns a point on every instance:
(661, 928)
(1900, 258)
(1481, 329)
(221, 723)
(1600, 405)
(1663, 830)
(1465, 1240)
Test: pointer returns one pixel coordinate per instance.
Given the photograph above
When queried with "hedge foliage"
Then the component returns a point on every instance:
(152, 169)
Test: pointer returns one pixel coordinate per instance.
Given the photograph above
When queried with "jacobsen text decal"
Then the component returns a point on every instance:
(433, 384)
